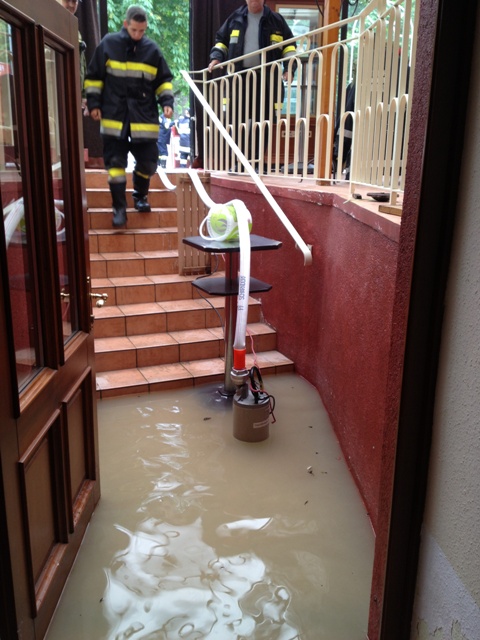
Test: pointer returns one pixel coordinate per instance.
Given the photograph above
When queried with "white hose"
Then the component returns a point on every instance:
(221, 223)
(243, 218)
(164, 178)
(13, 213)
(224, 228)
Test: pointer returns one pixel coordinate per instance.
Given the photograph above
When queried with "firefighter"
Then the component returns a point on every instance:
(183, 127)
(163, 141)
(125, 79)
(250, 28)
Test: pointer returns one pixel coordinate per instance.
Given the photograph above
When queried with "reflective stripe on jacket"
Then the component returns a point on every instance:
(127, 79)
(273, 29)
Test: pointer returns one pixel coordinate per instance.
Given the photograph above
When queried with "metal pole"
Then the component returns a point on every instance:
(232, 261)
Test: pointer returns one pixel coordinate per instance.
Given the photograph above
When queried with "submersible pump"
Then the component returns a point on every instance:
(251, 406)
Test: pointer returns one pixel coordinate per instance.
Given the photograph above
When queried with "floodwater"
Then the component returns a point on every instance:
(200, 536)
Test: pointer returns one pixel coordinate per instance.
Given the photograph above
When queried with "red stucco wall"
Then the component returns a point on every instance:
(334, 317)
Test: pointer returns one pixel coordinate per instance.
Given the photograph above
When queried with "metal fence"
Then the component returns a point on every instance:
(342, 115)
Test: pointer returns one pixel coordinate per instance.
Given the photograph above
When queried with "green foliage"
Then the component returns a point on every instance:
(5, 42)
(169, 27)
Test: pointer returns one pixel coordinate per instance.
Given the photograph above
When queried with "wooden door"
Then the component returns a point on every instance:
(48, 440)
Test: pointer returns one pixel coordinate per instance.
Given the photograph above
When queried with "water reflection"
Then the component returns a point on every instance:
(201, 536)
(168, 582)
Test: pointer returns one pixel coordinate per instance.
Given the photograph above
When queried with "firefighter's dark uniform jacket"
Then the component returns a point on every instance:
(125, 79)
(273, 29)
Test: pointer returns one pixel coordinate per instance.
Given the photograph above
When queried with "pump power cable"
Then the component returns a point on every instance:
(256, 387)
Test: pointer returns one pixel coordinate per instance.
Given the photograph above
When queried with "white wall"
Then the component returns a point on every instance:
(448, 586)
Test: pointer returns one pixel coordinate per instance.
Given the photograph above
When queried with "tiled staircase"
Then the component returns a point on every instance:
(155, 331)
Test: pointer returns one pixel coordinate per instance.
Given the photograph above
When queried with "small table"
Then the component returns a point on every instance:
(228, 286)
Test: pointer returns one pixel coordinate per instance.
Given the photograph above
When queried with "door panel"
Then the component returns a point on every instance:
(48, 432)
(80, 448)
(38, 499)
(76, 445)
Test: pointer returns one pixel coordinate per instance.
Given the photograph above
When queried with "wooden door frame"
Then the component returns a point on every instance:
(68, 374)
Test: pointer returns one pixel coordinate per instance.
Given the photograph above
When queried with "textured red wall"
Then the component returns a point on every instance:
(334, 317)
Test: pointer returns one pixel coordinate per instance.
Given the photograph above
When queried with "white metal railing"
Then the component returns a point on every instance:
(308, 129)
(301, 244)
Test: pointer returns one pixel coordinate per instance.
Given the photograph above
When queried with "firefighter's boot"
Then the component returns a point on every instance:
(119, 203)
(141, 185)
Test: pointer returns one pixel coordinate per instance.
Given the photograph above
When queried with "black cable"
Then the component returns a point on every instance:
(256, 387)
(319, 8)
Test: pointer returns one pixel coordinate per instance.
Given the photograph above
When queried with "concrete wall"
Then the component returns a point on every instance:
(333, 318)
(448, 584)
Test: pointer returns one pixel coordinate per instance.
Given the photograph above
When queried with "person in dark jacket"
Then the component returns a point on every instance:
(126, 80)
(183, 127)
(164, 135)
(247, 30)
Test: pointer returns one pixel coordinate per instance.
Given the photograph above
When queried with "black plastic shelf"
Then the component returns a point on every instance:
(257, 243)
(224, 287)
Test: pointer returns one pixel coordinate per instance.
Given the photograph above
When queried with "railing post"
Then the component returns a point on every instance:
(331, 15)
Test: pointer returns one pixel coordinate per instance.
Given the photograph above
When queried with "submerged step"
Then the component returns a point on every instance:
(185, 374)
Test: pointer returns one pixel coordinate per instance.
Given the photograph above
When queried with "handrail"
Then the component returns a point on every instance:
(304, 248)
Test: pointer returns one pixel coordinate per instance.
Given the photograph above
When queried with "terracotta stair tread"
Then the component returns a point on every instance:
(130, 209)
(185, 374)
(133, 230)
(169, 315)
(164, 306)
(184, 336)
(133, 255)
(149, 340)
(153, 307)
(135, 280)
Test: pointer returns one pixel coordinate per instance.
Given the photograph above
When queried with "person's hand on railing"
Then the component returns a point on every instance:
(212, 64)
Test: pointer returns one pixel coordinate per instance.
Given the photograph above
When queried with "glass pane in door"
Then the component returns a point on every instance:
(61, 207)
(17, 232)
